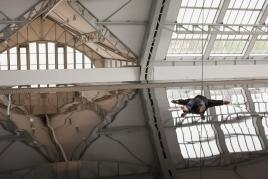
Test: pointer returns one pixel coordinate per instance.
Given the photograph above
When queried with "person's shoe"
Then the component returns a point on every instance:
(226, 102)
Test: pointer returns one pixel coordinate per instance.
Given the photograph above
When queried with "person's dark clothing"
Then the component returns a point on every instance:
(194, 104)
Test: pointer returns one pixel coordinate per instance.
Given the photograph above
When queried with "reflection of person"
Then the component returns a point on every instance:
(198, 105)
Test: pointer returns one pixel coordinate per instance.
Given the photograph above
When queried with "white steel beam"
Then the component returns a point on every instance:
(151, 42)
(219, 20)
(158, 135)
(154, 30)
(130, 85)
(94, 75)
(177, 73)
(262, 18)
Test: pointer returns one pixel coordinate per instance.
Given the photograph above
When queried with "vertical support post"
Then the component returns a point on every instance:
(65, 56)
(8, 59)
(74, 56)
(83, 58)
(56, 56)
(46, 55)
(18, 58)
(28, 57)
(37, 55)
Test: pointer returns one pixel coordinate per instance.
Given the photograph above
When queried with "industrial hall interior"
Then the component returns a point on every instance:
(133, 89)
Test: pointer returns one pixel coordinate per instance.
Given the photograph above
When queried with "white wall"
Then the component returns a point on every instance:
(179, 73)
(94, 75)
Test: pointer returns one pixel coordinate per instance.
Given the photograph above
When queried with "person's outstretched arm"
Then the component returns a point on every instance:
(212, 103)
(181, 101)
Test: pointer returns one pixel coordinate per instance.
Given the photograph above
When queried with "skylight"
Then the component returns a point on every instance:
(192, 11)
(229, 44)
(206, 23)
(239, 12)
(261, 46)
(243, 11)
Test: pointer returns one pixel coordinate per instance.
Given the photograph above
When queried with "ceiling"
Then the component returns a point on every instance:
(115, 133)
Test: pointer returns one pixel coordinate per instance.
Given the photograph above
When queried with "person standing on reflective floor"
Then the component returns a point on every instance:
(198, 105)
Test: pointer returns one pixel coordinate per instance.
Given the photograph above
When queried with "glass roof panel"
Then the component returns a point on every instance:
(239, 12)
(192, 11)
(261, 46)
(229, 45)
(181, 44)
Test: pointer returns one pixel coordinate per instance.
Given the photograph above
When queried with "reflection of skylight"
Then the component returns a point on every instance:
(189, 140)
(260, 99)
(238, 103)
(241, 136)
(235, 121)
(190, 137)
